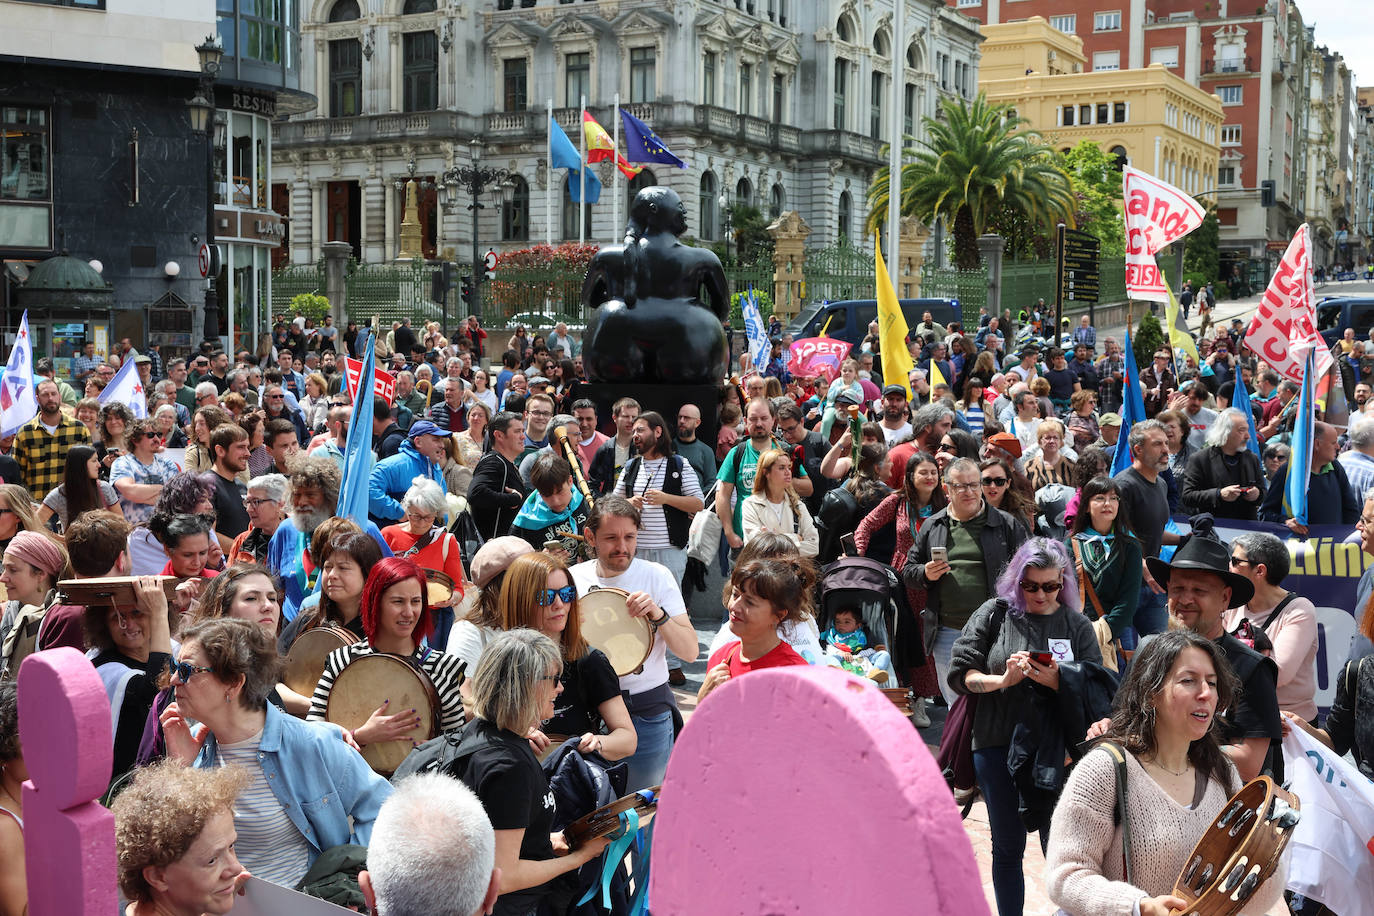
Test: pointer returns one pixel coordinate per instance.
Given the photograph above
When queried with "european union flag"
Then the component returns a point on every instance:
(566, 156)
(643, 145)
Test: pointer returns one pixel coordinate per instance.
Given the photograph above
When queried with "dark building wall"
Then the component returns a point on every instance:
(94, 114)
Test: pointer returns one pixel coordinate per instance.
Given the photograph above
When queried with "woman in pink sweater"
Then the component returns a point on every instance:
(1177, 781)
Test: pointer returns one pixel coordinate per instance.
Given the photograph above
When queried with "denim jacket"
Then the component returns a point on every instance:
(320, 781)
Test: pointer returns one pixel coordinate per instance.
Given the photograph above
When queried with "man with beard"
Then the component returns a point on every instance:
(1145, 501)
(653, 595)
(698, 454)
(314, 498)
(42, 444)
(895, 423)
(738, 469)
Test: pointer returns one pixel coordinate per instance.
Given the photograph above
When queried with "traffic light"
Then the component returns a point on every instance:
(1267, 193)
(466, 288)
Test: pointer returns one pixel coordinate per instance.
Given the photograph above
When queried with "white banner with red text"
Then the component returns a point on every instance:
(1157, 214)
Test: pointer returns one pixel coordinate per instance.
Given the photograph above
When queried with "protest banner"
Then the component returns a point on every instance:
(1284, 328)
(817, 356)
(384, 388)
(1157, 214)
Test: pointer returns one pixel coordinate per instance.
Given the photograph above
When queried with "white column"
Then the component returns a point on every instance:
(894, 159)
(1136, 24)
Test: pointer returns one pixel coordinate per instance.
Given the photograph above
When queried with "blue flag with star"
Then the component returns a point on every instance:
(643, 145)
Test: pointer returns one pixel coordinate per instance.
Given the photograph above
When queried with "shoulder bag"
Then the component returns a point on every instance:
(1101, 629)
(955, 757)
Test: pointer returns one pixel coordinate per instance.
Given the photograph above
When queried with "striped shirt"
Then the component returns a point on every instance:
(653, 529)
(269, 845)
(443, 670)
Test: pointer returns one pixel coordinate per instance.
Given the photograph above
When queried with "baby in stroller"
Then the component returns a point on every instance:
(849, 643)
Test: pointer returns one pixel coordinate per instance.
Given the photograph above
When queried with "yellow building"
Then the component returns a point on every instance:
(1151, 118)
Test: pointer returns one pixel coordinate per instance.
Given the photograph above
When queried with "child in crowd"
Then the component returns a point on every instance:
(849, 643)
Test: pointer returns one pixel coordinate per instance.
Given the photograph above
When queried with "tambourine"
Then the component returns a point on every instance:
(1239, 851)
(607, 625)
(901, 698)
(308, 653)
(438, 588)
(605, 821)
(110, 591)
(362, 686)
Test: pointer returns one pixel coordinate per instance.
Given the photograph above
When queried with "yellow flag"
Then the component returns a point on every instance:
(936, 376)
(1180, 338)
(892, 329)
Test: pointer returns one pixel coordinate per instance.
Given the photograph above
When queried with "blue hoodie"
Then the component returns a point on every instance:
(391, 477)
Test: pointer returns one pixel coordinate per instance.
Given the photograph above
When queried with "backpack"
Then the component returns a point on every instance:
(581, 783)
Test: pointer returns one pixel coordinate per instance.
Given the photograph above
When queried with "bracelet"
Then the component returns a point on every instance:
(659, 622)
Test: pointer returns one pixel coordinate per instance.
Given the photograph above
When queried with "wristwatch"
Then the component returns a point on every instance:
(659, 622)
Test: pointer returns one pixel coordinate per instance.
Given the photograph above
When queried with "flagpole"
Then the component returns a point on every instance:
(894, 154)
(582, 172)
(615, 176)
(548, 184)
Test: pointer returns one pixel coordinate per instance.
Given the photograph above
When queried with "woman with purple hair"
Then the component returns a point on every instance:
(1022, 653)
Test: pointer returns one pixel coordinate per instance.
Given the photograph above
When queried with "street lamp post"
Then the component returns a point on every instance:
(474, 179)
(202, 109)
(727, 213)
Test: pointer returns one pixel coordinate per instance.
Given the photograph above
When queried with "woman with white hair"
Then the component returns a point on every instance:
(165, 420)
(1224, 477)
(421, 536)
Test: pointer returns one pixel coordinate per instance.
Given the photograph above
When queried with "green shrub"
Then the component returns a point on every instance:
(1147, 338)
(311, 305)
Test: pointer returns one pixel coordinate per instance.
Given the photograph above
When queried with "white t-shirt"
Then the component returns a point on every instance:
(653, 531)
(642, 576)
(896, 435)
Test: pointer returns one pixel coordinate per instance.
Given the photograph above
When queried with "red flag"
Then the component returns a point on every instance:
(817, 356)
(1157, 214)
(600, 146)
(1284, 328)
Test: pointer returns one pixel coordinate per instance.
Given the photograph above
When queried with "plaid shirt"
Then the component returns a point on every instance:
(83, 365)
(42, 455)
(156, 364)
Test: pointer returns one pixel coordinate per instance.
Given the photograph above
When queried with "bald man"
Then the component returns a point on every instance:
(698, 454)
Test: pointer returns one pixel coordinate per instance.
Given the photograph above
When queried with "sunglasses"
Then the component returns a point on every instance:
(1048, 588)
(566, 594)
(184, 671)
(994, 481)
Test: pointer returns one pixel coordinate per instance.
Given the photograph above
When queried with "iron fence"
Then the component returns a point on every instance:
(970, 287)
(835, 274)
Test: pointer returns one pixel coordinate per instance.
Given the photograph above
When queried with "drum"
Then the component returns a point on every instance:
(607, 625)
(439, 589)
(1239, 851)
(364, 684)
(605, 820)
(305, 660)
(110, 591)
(901, 698)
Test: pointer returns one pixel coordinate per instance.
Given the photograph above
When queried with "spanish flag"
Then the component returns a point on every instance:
(600, 146)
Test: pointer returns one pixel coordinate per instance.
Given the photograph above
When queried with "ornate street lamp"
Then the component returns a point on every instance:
(474, 179)
(202, 111)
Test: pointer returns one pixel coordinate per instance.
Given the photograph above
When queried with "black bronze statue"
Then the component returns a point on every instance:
(650, 322)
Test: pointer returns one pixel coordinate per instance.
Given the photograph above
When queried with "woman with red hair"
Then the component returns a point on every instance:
(396, 616)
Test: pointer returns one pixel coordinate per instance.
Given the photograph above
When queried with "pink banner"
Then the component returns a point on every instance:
(818, 356)
(1284, 328)
(1157, 214)
(385, 382)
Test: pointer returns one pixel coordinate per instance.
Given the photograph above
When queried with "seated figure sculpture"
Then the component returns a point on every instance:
(649, 323)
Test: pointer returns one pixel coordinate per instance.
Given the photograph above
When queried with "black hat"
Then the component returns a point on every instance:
(1207, 555)
(894, 389)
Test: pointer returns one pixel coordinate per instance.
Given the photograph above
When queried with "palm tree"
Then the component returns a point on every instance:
(974, 164)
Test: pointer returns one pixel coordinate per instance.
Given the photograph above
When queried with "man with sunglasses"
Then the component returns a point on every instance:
(956, 557)
(139, 475)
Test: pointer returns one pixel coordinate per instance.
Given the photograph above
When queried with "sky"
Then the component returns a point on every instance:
(1351, 34)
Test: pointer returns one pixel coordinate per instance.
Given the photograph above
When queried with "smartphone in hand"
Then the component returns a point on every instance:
(1042, 658)
(939, 554)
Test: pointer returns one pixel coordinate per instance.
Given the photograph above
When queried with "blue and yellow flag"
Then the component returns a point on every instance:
(1300, 447)
(643, 145)
(1132, 409)
(357, 464)
(1240, 399)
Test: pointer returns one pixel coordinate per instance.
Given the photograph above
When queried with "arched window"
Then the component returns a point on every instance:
(571, 209)
(744, 193)
(418, 6)
(880, 45)
(345, 11)
(706, 210)
(645, 179)
(846, 216)
(1121, 158)
(914, 55)
(843, 30)
(515, 216)
(777, 199)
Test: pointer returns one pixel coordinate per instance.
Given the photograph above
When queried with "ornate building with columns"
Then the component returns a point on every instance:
(779, 104)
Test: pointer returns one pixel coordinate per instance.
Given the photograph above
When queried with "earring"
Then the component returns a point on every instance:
(226, 696)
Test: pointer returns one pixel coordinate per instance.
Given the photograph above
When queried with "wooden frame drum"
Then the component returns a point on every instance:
(605, 820)
(1239, 851)
(438, 587)
(306, 657)
(364, 684)
(607, 625)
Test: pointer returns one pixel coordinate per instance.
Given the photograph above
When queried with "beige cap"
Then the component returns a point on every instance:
(495, 556)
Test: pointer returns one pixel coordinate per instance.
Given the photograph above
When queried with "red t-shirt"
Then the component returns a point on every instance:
(780, 656)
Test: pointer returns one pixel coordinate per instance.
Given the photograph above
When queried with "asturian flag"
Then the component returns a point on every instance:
(127, 388)
(18, 400)
(1331, 851)
(566, 156)
(754, 331)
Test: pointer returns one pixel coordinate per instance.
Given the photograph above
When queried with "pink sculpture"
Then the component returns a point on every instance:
(804, 790)
(69, 839)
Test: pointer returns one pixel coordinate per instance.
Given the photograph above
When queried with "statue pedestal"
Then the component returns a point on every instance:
(663, 399)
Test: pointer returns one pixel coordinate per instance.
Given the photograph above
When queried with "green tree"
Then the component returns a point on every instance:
(974, 163)
(1148, 338)
(1096, 183)
(1200, 260)
(752, 241)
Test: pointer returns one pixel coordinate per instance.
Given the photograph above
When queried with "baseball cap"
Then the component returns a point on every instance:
(894, 389)
(847, 398)
(1109, 419)
(142, 359)
(425, 428)
(1007, 443)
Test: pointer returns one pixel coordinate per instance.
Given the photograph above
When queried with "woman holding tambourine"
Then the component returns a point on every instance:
(514, 689)
(538, 594)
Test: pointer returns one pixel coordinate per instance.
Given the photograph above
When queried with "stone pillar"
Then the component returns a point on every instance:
(911, 257)
(336, 255)
(789, 232)
(990, 247)
(303, 225)
(411, 240)
(374, 196)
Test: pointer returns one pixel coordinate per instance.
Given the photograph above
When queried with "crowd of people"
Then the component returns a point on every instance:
(1029, 578)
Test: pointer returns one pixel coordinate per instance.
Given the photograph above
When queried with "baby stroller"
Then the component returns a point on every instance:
(878, 592)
